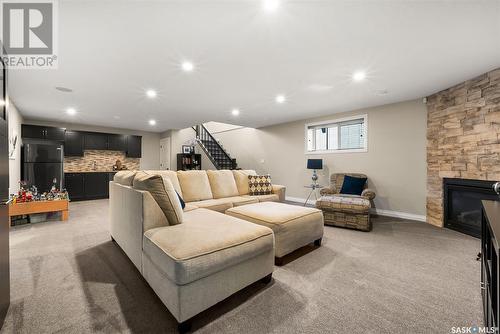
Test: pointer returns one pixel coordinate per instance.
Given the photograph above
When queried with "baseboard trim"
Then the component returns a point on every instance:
(380, 212)
(399, 214)
(299, 200)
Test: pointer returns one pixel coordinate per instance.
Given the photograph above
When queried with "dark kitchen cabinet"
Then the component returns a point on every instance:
(96, 185)
(96, 141)
(111, 176)
(42, 132)
(33, 131)
(74, 184)
(117, 142)
(54, 133)
(76, 142)
(134, 146)
(89, 185)
(73, 144)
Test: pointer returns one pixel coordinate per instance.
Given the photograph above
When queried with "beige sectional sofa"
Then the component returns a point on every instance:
(206, 258)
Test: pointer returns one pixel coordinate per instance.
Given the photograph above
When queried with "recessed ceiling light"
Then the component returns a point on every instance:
(270, 5)
(235, 112)
(71, 111)
(359, 76)
(152, 122)
(151, 93)
(280, 98)
(187, 66)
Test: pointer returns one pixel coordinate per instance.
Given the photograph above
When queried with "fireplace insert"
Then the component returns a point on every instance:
(462, 204)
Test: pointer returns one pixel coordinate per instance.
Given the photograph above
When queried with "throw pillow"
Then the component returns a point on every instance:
(163, 193)
(353, 185)
(260, 185)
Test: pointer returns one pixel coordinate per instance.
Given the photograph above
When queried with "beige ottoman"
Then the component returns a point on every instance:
(293, 226)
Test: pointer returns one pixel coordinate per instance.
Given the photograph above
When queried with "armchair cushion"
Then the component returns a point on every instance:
(328, 191)
(353, 185)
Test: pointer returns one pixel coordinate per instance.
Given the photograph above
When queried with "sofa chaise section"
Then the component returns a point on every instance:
(192, 265)
(210, 256)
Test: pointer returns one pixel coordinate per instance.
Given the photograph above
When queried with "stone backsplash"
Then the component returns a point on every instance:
(463, 137)
(104, 161)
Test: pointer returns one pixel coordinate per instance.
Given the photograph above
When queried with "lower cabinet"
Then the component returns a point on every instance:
(73, 182)
(86, 186)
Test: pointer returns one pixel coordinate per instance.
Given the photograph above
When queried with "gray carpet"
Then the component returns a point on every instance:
(403, 277)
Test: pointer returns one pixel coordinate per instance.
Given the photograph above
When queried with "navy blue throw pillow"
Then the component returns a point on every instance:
(353, 185)
(183, 204)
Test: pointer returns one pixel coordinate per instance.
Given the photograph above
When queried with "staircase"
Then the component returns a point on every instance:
(213, 149)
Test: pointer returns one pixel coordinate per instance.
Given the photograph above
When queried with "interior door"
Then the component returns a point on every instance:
(165, 153)
(4, 194)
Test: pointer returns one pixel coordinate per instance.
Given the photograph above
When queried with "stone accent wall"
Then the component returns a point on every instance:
(463, 137)
(104, 161)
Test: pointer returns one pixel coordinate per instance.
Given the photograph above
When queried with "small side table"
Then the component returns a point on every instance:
(313, 188)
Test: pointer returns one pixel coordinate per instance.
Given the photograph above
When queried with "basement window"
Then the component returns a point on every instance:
(337, 136)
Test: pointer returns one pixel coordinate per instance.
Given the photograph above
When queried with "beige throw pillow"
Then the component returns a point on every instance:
(222, 183)
(164, 194)
(195, 185)
(260, 185)
(241, 178)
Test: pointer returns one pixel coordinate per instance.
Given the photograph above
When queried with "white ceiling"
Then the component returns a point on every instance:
(110, 52)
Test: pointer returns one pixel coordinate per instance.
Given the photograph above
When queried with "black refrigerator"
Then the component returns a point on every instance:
(42, 163)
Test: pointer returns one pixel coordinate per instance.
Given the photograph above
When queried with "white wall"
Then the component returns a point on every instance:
(14, 125)
(150, 141)
(395, 162)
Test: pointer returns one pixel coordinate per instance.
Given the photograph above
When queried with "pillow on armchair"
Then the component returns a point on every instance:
(260, 185)
(353, 185)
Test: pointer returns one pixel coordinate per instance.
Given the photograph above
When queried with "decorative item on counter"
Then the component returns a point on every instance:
(118, 165)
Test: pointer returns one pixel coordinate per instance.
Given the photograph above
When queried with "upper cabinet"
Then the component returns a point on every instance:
(117, 142)
(73, 144)
(96, 141)
(42, 132)
(134, 146)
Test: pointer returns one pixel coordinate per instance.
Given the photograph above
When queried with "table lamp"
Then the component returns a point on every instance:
(314, 164)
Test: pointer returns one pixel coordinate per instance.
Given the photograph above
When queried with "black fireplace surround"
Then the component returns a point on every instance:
(462, 204)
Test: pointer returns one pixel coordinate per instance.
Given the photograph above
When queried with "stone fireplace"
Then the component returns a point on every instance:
(463, 137)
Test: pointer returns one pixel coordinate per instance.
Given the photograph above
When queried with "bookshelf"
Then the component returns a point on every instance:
(188, 161)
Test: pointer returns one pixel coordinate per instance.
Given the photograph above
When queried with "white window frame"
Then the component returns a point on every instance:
(338, 120)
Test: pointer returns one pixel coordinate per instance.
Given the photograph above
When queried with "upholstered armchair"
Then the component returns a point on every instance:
(336, 181)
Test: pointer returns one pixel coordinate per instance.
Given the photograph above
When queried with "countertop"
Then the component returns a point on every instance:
(492, 210)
